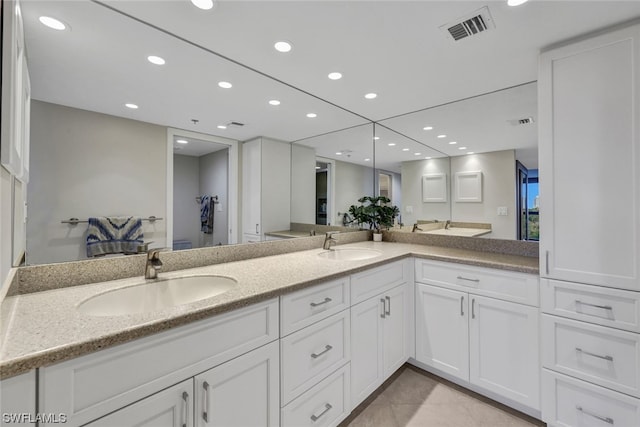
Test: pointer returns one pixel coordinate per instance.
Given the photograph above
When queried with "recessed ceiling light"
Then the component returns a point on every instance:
(203, 4)
(427, 127)
(371, 95)
(274, 102)
(470, 152)
(442, 136)
(225, 85)
(222, 127)
(452, 143)
(375, 138)
(312, 115)
(391, 144)
(339, 153)
(335, 76)
(462, 148)
(132, 106)
(367, 160)
(182, 141)
(417, 154)
(405, 149)
(283, 46)
(52, 23)
(516, 2)
(427, 158)
(156, 60)
(317, 167)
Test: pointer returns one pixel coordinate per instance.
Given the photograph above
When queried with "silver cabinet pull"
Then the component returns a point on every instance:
(315, 304)
(591, 414)
(473, 308)
(546, 262)
(462, 305)
(383, 308)
(205, 413)
(327, 407)
(185, 409)
(609, 358)
(604, 307)
(257, 232)
(469, 280)
(388, 310)
(326, 348)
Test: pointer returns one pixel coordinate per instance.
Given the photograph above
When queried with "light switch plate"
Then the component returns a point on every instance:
(503, 211)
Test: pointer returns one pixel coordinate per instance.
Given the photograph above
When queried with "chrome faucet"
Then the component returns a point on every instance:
(415, 228)
(329, 240)
(153, 264)
(447, 224)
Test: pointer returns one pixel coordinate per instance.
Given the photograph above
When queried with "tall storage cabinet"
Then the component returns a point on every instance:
(589, 118)
(266, 188)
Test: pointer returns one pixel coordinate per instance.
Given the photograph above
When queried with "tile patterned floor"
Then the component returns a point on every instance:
(415, 398)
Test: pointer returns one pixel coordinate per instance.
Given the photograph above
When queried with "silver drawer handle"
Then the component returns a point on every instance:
(604, 307)
(387, 311)
(205, 413)
(462, 306)
(469, 280)
(609, 358)
(315, 304)
(591, 414)
(326, 348)
(384, 308)
(327, 407)
(185, 408)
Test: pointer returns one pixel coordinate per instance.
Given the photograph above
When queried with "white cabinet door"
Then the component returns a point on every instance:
(395, 329)
(18, 400)
(251, 188)
(589, 150)
(504, 349)
(242, 392)
(172, 407)
(442, 331)
(366, 348)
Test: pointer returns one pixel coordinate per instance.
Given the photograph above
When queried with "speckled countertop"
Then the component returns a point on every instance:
(43, 328)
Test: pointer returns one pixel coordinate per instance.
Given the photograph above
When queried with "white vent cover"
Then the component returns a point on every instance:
(525, 121)
(469, 25)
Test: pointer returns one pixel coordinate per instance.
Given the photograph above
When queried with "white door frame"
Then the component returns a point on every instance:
(233, 191)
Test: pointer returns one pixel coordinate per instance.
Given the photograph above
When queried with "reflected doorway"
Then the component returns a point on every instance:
(323, 192)
(528, 203)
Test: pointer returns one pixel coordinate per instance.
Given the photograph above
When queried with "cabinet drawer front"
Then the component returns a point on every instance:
(326, 404)
(312, 353)
(94, 385)
(377, 280)
(507, 285)
(568, 402)
(605, 356)
(305, 307)
(604, 306)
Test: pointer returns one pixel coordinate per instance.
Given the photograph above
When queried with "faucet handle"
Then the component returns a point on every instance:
(331, 233)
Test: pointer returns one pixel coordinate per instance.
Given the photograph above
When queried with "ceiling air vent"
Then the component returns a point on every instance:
(525, 121)
(469, 25)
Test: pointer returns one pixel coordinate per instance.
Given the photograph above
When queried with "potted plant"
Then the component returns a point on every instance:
(376, 213)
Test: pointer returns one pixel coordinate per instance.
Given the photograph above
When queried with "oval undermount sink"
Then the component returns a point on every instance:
(349, 254)
(154, 296)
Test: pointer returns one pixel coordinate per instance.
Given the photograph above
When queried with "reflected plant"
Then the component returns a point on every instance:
(376, 212)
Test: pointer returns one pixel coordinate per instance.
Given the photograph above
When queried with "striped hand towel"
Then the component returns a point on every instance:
(113, 235)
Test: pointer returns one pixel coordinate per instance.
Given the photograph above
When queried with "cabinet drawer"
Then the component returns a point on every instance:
(567, 402)
(604, 306)
(309, 355)
(303, 308)
(602, 355)
(91, 386)
(326, 404)
(507, 285)
(377, 280)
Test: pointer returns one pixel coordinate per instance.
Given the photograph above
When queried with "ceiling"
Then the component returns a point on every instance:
(393, 48)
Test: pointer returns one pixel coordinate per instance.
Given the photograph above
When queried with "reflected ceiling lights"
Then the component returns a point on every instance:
(132, 106)
(391, 144)
(156, 60)
(405, 149)
(417, 154)
(375, 138)
(283, 46)
(516, 2)
(52, 23)
(470, 152)
(452, 143)
(442, 136)
(182, 141)
(335, 76)
(203, 4)
(427, 128)
(312, 115)
(222, 127)
(274, 102)
(225, 85)
(462, 148)
(427, 158)
(371, 95)
(367, 160)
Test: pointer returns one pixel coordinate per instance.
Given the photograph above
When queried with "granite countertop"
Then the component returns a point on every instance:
(43, 328)
(459, 231)
(288, 234)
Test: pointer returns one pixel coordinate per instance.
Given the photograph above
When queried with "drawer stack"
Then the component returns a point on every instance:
(590, 354)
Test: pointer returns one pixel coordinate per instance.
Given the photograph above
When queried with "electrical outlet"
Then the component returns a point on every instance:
(503, 211)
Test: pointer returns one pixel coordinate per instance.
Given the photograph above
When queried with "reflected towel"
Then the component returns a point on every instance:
(114, 235)
(206, 214)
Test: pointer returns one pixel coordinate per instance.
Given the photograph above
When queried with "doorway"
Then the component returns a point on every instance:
(528, 203)
(323, 193)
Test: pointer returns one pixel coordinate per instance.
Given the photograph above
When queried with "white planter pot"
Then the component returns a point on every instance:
(377, 237)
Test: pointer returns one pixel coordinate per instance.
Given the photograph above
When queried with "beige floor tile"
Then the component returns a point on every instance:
(375, 416)
(428, 415)
(409, 388)
(488, 415)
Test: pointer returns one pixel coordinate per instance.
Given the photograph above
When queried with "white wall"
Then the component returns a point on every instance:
(498, 189)
(352, 182)
(276, 185)
(87, 164)
(186, 187)
(303, 184)
(214, 182)
(412, 173)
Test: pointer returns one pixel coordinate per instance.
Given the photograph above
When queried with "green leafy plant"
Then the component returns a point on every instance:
(375, 212)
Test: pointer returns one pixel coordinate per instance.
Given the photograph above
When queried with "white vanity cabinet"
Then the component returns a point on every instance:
(465, 331)
(266, 180)
(589, 98)
(381, 326)
(18, 400)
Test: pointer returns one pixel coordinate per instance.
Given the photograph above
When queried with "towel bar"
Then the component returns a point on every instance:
(74, 221)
